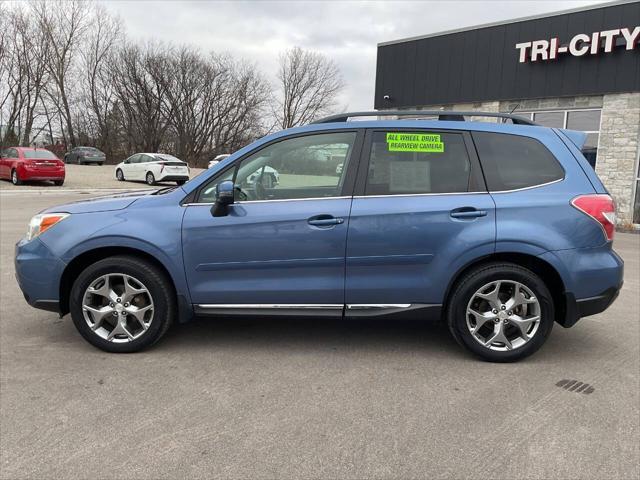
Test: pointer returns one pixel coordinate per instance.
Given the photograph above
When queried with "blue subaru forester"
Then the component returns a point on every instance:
(499, 229)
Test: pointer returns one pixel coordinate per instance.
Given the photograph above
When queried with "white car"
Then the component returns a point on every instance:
(152, 168)
(218, 159)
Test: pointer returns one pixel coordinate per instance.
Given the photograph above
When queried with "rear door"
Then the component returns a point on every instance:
(420, 213)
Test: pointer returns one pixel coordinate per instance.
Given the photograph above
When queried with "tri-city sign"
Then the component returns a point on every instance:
(579, 45)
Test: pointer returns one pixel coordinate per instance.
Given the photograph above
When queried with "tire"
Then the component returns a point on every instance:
(150, 179)
(469, 293)
(161, 297)
(15, 178)
(119, 175)
(180, 182)
(58, 183)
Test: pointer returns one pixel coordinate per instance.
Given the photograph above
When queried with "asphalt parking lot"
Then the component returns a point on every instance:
(312, 399)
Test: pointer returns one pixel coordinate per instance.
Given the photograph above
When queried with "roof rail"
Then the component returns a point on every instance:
(441, 114)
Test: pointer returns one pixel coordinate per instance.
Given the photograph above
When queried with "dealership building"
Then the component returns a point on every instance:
(576, 69)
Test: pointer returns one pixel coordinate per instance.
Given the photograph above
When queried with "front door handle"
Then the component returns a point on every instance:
(325, 221)
(467, 212)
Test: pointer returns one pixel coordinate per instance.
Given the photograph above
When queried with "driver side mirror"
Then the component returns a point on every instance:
(224, 197)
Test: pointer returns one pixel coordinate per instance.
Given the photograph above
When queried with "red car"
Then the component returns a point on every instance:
(21, 164)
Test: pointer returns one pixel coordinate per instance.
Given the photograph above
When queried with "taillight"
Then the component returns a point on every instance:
(601, 208)
(162, 167)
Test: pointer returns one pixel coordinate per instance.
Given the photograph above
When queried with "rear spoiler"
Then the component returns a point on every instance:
(576, 137)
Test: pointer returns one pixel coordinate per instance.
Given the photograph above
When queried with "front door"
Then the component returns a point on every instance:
(421, 210)
(282, 245)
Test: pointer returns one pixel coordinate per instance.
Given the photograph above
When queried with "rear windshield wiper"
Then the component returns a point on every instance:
(164, 190)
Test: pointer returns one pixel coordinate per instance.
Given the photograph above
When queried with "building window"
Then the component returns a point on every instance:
(587, 121)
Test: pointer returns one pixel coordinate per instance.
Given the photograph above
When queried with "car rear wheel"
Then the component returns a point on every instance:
(151, 180)
(180, 182)
(501, 312)
(15, 178)
(119, 175)
(122, 304)
(58, 183)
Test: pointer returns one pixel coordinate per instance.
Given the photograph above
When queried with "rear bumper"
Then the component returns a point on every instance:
(592, 279)
(172, 178)
(32, 173)
(576, 309)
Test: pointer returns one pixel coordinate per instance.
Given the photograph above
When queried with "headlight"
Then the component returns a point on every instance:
(43, 222)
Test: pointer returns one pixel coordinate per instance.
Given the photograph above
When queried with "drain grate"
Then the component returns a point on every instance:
(576, 386)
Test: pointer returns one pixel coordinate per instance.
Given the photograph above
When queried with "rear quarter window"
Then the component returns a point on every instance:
(511, 162)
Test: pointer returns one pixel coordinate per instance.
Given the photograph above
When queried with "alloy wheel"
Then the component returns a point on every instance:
(503, 315)
(118, 307)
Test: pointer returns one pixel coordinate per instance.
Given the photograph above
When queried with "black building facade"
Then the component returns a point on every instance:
(576, 69)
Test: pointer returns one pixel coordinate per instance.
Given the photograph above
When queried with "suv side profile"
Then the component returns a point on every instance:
(499, 229)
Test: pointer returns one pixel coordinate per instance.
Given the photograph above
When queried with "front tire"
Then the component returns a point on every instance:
(119, 175)
(151, 180)
(15, 178)
(122, 304)
(501, 312)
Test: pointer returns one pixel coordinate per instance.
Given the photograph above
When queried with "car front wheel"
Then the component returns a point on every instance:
(119, 175)
(501, 312)
(122, 304)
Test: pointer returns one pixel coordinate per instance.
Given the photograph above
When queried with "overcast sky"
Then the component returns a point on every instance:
(347, 32)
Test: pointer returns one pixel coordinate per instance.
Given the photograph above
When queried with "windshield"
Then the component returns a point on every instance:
(39, 154)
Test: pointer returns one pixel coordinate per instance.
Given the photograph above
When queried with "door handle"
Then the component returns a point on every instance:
(325, 221)
(467, 212)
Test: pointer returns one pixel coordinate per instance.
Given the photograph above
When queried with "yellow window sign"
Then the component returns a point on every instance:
(415, 142)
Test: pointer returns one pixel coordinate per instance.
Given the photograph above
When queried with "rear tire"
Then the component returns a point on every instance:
(180, 182)
(151, 180)
(58, 183)
(501, 312)
(15, 178)
(119, 175)
(155, 293)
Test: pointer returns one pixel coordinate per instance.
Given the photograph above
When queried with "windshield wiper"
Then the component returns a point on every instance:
(164, 190)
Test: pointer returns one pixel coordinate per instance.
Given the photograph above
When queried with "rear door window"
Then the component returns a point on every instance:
(511, 162)
(418, 162)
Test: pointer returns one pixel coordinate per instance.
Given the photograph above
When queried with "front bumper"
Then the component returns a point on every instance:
(38, 273)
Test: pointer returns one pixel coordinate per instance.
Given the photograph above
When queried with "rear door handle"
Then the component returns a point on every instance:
(467, 212)
(325, 221)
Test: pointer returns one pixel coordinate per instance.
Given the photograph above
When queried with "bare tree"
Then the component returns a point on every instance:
(141, 96)
(102, 41)
(65, 27)
(309, 83)
(24, 73)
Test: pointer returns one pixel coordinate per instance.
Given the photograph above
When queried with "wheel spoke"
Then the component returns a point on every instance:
(139, 314)
(97, 314)
(492, 297)
(130, 291)
(481, 318)
(518, 298)
(499, 337)
(105, 290)
(524, 324)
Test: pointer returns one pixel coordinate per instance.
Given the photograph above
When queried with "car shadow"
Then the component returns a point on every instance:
(310, 334)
